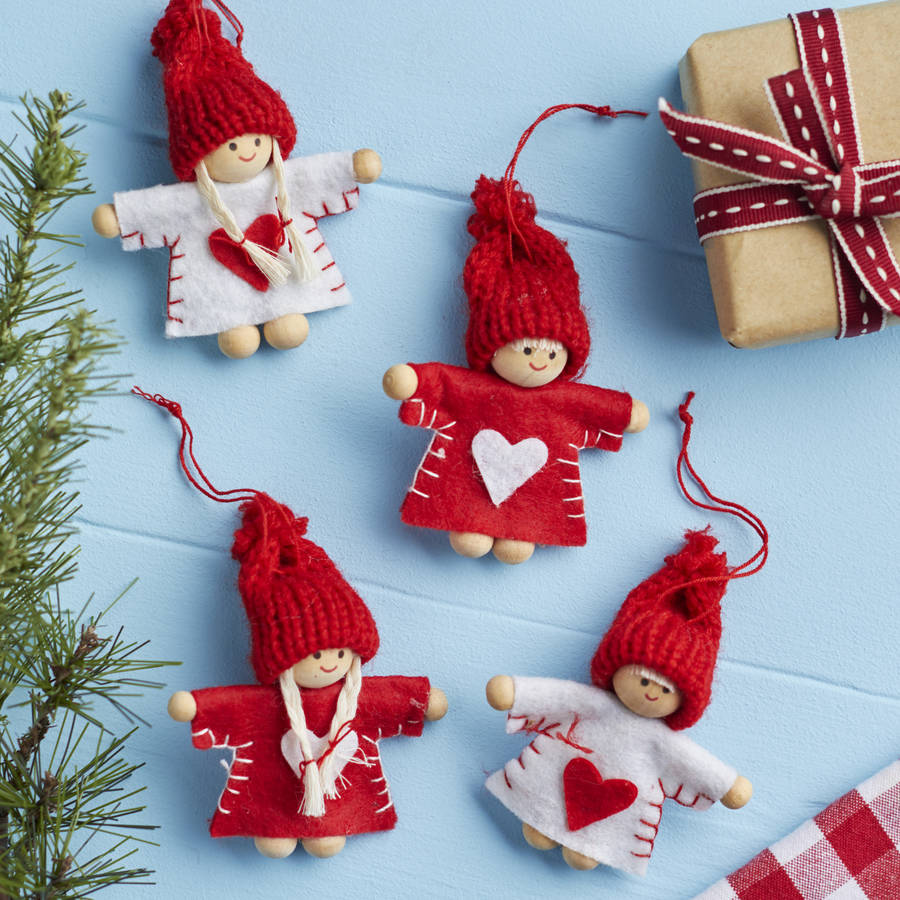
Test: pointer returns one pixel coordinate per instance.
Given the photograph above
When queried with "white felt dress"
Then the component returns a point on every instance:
(643, 761)
(205, 296)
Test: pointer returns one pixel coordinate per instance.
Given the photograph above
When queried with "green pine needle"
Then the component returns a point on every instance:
(69, 809)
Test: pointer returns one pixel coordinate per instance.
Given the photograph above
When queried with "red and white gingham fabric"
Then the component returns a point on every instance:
(849, 851)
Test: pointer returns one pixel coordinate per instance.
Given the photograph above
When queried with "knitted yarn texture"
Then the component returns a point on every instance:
(675, 632)
(212, 93)
(296, 599)
(530, 292)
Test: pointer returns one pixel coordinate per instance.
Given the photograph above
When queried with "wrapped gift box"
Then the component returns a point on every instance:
(776, 285)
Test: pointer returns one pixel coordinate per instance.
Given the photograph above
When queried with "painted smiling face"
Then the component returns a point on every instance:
(645, 692)
(323, 667)
(239, 158)
(530, 362)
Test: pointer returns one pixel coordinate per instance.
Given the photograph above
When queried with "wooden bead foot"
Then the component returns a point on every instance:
(324, 847)
(579, 860)
(239, 342)
(536, 839)
(287, 332)
(275, 848)
(512, 552)
(470, 543)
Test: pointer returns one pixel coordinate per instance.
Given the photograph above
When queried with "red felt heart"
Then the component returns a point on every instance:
(266, 231)
(589, 798)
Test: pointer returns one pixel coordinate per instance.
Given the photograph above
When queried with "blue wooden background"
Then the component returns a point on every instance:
(808, 694)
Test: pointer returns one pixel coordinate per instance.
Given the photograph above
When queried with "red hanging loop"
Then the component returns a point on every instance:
(509, 174)
(233, 20)
(203, 29)
(752, 565)
(187, 441)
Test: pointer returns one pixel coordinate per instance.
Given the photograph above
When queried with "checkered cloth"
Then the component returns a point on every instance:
(849, 851)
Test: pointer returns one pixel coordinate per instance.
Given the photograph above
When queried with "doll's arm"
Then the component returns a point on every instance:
(395, 705)
(151, 217)
(222, 716)
(601, 417)
(536, 703)
(426, 389)
(695, 778)
(328, 183)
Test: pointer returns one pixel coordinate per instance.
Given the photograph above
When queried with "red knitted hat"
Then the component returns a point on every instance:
(212, 92)
(519, 285)
(296, 600)
(674, 632)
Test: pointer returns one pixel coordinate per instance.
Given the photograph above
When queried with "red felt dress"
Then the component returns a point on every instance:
(503, 460)
(262, 794)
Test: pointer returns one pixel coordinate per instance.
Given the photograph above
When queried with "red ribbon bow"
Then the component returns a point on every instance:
(817, 172)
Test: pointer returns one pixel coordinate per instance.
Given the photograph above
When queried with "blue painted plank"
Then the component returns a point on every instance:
(807, 694)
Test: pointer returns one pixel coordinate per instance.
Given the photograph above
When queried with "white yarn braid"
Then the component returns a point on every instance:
(313, 796)
(319, 780)
(303, 258)
(344, 712)
(267, 263)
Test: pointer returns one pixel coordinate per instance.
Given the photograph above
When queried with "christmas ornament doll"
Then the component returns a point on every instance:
(501, 471)
(605, 757)
(242, 226)
(305, 741)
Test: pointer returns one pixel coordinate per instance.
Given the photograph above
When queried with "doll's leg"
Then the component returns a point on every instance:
(287, 332)
(512, 552)
(239, 342)
(324, 847)
(275, 848)
(579, 860)
(536, 839)
(470, 543)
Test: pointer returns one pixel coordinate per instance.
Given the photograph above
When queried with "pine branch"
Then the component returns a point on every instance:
(68, 810)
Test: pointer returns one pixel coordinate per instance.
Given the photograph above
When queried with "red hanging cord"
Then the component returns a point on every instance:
(752, 565)
(202, 27)
(509, 174)
(200, 20)
(187, 441)
(233, 20)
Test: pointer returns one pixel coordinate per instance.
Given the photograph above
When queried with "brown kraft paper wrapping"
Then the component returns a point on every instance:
(776, 285)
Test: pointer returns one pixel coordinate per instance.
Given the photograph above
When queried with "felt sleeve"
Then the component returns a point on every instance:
(393, 705)
(598, 416)
(322, 185)
(692, 776)
(225, 716)
(156, 216)
(427, 407)
(540, 701)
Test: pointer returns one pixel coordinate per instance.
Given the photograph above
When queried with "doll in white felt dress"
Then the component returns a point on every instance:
(605, 757)
(242, 227)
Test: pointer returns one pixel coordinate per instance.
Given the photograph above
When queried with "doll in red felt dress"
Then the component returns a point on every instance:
(305, 740)
(306, 761)
(502, 470)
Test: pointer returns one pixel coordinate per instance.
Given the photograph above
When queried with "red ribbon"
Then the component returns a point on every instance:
(816, 172)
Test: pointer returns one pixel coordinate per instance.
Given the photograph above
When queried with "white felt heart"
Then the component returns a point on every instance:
(506, 467)
(344, 751)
